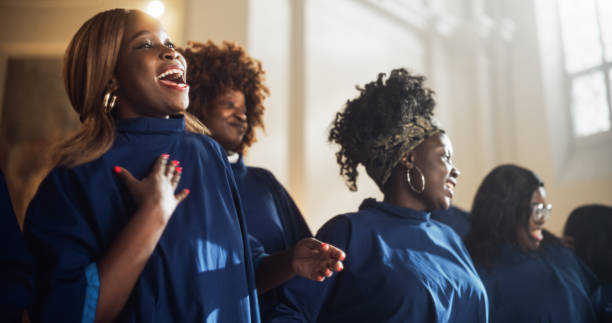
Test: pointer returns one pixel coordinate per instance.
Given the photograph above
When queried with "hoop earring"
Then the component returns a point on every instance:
(109, 101)
(422, 180)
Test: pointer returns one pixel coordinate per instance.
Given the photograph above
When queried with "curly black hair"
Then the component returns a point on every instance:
(501, 206)
(214, 69)
(381, 108)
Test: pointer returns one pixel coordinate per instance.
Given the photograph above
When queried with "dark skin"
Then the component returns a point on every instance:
(434, 158)
(227, 121)
(530, 237)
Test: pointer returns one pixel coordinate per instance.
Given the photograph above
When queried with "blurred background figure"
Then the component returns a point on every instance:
(16, 263)
(588, 230)
(529, 275)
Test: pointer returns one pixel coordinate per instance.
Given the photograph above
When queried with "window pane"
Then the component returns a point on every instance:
(605, 13)
(580, 34)
(589, 105)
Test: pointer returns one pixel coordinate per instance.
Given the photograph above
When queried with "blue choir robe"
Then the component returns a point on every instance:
(16, 263)
(455, 218)
(201, 269)
(400, 267)
(271, 215)
(547, 285)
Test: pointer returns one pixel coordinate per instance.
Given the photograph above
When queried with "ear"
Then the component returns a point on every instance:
(408, 159)
(113, 84)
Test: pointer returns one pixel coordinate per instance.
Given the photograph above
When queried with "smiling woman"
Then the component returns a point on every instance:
(401, 266)
(529, 275)
(128, 252)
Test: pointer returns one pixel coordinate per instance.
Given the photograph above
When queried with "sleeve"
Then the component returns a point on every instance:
(296, 223)
(16, 263)
(291, 217)
(302, 300)
(63, 245)
(257, 251)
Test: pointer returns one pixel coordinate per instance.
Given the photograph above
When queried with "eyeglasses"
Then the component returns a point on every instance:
(540, 211)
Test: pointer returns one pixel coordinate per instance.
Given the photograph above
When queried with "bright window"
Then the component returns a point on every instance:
(587, 44)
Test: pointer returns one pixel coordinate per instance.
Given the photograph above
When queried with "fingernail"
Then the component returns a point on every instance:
(175, 162)
(323, 244)
(342, 257)
(117, 169)
(187, 191)
(179, 169)
(165, 156)
(321, 278)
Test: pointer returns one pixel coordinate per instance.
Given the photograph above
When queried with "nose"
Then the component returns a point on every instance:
(169, 53)
(455, 172)
(241, 115)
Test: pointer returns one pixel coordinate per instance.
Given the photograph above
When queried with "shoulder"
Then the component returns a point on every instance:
(264, 174)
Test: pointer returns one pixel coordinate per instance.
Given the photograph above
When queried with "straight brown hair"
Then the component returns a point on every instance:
(89, 63)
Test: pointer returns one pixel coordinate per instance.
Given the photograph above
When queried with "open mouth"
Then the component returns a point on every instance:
(536, 234)
(174, 78)
(450, 187)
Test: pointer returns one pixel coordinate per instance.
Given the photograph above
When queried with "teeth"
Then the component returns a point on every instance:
(170, 72)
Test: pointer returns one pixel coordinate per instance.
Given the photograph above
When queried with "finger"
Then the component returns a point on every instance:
(171, 166)
(325, 273)
(125, 176)
(181, 195)
(160, 163)
(176, 177)
(335, 266)
(335, 253)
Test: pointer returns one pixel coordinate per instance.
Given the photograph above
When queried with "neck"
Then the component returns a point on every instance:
(402, 199)
(397, 192)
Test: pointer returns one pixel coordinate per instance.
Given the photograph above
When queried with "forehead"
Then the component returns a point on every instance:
(140, 23)
(539, 195)
(438, 141)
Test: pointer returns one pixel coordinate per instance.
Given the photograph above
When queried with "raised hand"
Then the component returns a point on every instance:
(157, 189)
(316, 260)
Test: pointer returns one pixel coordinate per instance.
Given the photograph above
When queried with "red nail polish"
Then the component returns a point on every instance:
(179, 169)
(175, 162)
(117, 169)
(165, 156)
(323, 244)
(187, 191)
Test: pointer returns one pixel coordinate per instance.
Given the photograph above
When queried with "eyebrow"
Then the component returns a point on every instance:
(140, 33)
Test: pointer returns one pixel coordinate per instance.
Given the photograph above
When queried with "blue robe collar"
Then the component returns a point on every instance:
(151, 125)
(395, 210)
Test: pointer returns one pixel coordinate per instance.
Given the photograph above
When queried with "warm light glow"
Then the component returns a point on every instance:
(156, 8)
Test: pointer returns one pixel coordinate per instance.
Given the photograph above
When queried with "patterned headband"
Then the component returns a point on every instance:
(385, 152)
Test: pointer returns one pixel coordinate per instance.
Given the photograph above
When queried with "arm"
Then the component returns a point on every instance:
(310, 258)
(121, 266)
(303, 299)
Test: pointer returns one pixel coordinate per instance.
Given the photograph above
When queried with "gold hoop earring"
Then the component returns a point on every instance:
(109, 101)
(422, 180)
